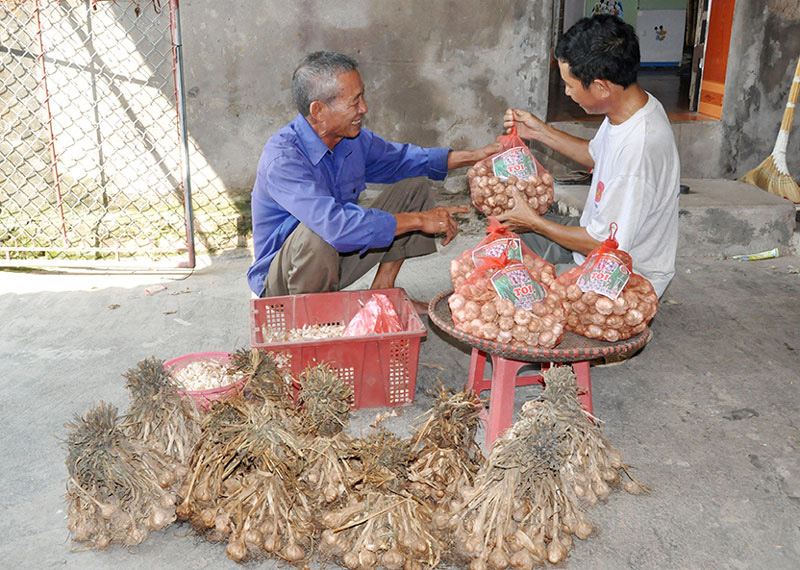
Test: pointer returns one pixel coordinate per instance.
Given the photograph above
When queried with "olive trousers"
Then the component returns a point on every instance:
(306, 263)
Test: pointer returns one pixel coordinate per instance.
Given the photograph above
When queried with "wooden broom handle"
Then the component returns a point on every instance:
(794, 94)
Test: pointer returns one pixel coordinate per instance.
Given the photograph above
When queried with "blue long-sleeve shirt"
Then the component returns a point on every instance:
(301, 180)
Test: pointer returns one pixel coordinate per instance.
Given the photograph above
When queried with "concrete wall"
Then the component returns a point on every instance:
(765, 46)
(442, 73)
(436, 73)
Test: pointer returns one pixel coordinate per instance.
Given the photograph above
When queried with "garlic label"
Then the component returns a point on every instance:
(517, 161)
(514, 283)
(605, 274)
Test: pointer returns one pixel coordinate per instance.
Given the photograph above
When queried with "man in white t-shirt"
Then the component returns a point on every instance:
(633, 156)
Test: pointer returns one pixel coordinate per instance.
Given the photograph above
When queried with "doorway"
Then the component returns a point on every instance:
(675, 37)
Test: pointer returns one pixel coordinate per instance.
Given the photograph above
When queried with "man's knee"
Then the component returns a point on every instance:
(314, 264)
(409, 195)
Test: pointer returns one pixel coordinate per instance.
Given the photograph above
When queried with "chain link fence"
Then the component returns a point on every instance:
(91, 152)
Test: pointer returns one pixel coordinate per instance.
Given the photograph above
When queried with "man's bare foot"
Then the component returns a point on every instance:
(420, 307)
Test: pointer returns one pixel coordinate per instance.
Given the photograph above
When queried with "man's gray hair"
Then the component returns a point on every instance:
(315, 79)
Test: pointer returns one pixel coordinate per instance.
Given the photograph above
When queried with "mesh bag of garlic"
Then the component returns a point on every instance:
(603, 298)
(497, 182)
(497, 237)
(503, 300)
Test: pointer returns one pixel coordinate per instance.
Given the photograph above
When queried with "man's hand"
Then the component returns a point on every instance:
(520, 218)
(459, 158)
(529, 126)
(524, 218)
(439, 220)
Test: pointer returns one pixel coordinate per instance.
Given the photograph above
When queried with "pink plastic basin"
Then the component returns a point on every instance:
(204, 398)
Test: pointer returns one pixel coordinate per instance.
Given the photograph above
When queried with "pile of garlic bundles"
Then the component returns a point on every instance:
(531, 498)
(493, 180)
(502, 293)
(603, 298)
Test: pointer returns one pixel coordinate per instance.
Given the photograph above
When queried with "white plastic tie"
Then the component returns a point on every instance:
(779, 152)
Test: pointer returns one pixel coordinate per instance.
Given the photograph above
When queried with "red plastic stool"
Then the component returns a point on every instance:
(505, 378)
(573, 349)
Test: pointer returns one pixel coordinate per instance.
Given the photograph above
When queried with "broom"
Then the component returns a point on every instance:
(773, 175)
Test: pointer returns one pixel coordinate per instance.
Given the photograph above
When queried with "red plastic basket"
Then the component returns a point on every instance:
(204, 398)
(381, 368)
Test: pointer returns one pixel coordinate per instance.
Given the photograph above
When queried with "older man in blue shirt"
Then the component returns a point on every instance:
(309, 233)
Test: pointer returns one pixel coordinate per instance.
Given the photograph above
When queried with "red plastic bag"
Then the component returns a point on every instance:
(378, 315)
(603, 297)
(491, 180)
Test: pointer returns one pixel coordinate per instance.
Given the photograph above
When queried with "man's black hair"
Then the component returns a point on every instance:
(601, 47)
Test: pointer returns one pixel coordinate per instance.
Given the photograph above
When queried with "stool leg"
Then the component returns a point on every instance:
(501, 402)
(477, 368)
(584, 381)
(476, 381)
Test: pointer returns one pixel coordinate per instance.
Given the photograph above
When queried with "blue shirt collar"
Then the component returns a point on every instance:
(315, 148)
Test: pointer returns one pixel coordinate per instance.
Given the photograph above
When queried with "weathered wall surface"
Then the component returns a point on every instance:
(765, 45)
(442, 73)
(436, 73)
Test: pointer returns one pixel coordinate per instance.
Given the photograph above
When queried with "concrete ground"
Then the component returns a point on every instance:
(707, 413)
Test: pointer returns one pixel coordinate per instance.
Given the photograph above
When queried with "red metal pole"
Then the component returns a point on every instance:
(53, 155)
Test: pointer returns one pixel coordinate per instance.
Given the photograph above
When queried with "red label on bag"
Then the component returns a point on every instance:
(517, 161)
(605, 274)
(514, 283)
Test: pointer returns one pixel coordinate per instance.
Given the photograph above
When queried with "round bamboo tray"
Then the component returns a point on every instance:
(573, 348)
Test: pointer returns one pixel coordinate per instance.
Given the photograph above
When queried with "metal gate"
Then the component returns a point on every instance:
(92, 155)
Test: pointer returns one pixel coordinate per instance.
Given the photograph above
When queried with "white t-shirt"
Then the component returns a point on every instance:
(636, 184)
